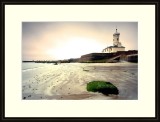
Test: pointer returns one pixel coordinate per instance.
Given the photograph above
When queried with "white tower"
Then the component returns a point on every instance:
(116, 42)
(117, 46)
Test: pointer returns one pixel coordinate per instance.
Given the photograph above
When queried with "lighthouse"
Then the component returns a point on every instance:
(117, 46)
(116, 42)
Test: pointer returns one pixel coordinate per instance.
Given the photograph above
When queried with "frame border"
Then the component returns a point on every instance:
(95, 2)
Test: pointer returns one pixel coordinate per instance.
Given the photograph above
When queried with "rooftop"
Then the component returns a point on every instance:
(116, 33)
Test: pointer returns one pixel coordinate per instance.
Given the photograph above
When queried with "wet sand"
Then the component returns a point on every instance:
(67, 81)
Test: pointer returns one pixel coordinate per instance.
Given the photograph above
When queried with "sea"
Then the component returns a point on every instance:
(27, 66)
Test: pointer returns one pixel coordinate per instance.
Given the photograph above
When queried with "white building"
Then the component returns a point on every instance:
(117, 46)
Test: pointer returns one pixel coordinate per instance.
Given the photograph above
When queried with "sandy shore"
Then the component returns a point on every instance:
(68, 81)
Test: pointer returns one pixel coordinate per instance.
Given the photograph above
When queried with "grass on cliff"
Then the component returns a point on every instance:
(102, 87)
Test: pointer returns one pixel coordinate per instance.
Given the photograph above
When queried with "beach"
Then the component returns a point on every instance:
(68, 81)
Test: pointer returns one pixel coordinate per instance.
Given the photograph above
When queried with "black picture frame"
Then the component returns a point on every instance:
(96, 2)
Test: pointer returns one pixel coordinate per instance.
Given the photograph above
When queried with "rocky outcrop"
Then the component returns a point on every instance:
(131, 56)
(96, 57)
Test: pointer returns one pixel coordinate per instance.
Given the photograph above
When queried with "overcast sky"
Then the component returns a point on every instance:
(64, 40)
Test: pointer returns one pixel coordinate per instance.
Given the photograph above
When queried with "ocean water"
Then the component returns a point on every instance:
(31, 66)
(30, 69)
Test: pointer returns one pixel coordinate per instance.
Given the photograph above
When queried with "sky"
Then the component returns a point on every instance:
(65, 40)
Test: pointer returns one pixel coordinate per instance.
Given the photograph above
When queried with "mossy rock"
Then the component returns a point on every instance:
(102, 87)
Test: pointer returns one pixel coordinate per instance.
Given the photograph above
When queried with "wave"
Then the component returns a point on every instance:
(33, 68)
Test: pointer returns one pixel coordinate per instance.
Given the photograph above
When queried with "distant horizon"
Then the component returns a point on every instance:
(66, 59)
(70, 40)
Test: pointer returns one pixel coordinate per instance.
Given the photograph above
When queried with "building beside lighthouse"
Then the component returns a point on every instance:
(117, 46)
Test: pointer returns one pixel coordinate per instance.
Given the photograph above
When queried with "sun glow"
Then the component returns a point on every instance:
(74, 48)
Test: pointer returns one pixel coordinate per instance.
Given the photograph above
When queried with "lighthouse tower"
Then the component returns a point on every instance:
(116, 42)
(117, 46)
